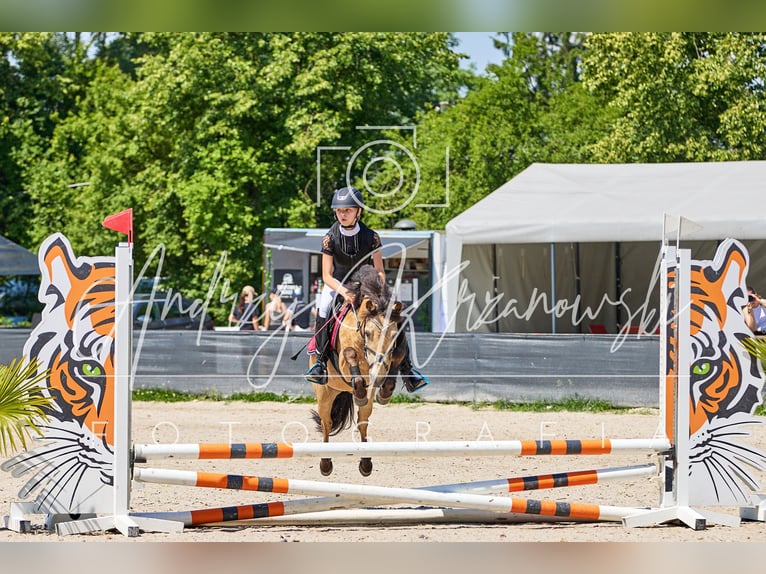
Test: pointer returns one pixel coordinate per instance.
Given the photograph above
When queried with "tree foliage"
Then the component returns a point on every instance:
(212, 137)
(679, 96)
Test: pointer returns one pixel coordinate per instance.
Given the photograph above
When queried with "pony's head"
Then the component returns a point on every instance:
(379, 327)
(365, 282)
(379, 319)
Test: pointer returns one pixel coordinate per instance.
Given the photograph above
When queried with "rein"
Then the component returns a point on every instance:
(361, 330)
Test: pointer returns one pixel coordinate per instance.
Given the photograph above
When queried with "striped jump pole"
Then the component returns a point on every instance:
(546, 481)
(345, 514)
(329, 507)
(329, 510)
(208, 451)
(256, 511)
(574, 511)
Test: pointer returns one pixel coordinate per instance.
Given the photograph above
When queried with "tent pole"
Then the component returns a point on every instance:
(578, 283)
(553, 287)
(494, 285)
(618, 280)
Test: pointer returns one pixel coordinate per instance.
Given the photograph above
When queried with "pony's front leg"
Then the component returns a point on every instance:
(325, 398)
(386, 390)
(362, 422)
(357, 379)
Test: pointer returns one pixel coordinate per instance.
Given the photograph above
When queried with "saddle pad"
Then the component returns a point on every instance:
(333, 323)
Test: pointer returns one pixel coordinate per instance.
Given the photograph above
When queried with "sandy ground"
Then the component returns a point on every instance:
(194, 422)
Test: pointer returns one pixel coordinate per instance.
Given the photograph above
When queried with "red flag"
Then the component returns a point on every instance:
(122, 222)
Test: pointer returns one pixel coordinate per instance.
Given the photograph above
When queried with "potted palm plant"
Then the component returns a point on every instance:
(22, 404)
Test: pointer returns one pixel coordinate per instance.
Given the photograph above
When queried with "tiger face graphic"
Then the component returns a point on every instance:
(72, 471)
(725, 381)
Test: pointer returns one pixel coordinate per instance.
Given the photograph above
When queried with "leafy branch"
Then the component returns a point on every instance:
(22, 404)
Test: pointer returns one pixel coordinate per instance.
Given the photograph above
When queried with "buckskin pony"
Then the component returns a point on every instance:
(358, 372)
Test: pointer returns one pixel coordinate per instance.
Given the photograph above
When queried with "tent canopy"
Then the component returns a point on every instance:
(610, 220)
(15, 260)
(550, 203)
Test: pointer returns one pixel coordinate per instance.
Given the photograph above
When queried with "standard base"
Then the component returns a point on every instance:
(755, 512)
(65, 524)
(129, 526)
(693, 518)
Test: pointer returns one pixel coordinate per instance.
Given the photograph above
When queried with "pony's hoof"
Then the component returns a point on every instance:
(325, 466)
(365, 466)
(384, 394)
(382, 401)
(360, 393)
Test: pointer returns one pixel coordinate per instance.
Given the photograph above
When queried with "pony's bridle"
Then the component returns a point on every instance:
(361, 329)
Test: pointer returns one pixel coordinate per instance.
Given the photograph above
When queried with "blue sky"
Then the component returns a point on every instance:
(479, 46)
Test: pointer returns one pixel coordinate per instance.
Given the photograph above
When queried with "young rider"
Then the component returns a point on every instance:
(348, 244)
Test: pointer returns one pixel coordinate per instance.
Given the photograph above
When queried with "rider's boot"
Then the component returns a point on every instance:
(413, 379)
(317, 373)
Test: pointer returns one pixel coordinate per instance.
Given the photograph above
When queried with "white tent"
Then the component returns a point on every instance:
(563, 246)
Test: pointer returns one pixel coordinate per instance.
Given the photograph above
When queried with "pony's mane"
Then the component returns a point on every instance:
(366, 283)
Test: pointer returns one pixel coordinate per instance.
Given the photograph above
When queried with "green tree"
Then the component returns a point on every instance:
(42, 78)
(213, 137)
(679, 96)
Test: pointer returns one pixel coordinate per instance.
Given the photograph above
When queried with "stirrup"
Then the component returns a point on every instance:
(414, 380)
(317, 374)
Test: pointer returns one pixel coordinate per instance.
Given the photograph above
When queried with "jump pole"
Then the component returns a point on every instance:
(346, 513)
(208, 451)
(593, 512)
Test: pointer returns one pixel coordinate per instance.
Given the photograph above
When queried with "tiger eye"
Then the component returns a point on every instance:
(91, 370)
(701, 368)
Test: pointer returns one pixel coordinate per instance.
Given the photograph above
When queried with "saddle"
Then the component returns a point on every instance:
(333, 324)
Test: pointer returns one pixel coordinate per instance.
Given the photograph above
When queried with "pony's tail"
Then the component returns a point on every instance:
(342, 414)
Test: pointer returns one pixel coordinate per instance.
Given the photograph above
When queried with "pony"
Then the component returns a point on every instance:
(363, 365)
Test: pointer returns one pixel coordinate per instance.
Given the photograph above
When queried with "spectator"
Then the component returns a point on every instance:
(245, 312)
(755, 312)
(275, 312)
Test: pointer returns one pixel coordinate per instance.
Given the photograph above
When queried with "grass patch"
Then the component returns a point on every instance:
(402, 399)
(171, 396)
(569, 404)
(573, 404)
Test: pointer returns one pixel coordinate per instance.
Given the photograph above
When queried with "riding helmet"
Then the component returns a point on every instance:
(347, 197)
